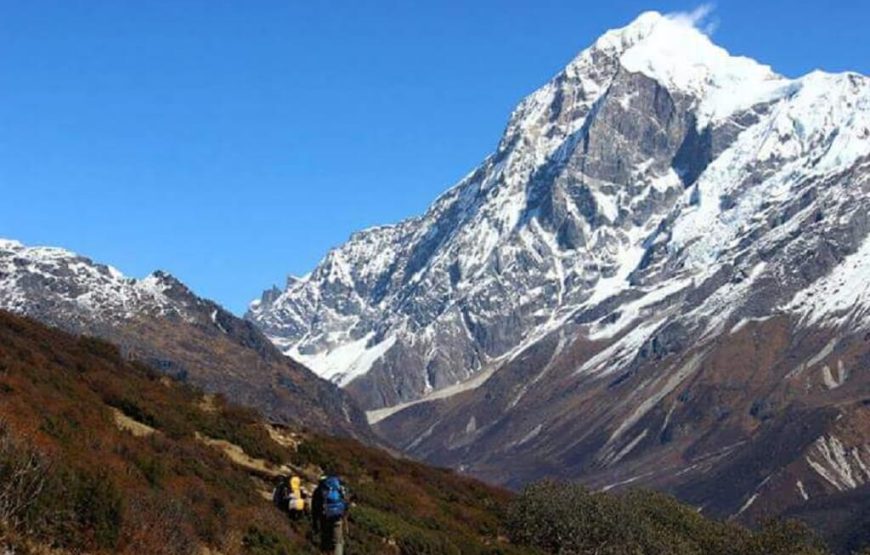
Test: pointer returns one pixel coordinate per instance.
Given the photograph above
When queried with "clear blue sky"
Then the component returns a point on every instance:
(232, 143)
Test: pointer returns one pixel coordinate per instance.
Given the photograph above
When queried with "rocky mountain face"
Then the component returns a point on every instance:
(160, 321)
(660, 277)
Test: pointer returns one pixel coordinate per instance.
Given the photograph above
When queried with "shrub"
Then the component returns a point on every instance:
(97, 506)
(160, 526)
(777, 537)
(99, 348)
(418, 542)
(23, 480)
(180, 494)
(265, 542)
(568, 519)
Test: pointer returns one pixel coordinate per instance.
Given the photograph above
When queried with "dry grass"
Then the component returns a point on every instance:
(127, 424)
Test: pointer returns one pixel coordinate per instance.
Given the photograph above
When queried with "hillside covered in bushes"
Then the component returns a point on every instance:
(99, 454)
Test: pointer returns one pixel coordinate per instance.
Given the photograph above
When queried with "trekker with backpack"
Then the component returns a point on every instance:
(290, 497)
(329, 508)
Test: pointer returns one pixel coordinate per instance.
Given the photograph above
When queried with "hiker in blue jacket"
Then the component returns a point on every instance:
(329, 508)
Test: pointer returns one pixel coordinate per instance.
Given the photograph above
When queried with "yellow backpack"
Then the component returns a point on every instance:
(296, 502)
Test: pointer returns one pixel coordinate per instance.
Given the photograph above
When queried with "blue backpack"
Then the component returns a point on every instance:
(334, 502)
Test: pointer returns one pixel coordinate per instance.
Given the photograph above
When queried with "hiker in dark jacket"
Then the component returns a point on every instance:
(329, 508)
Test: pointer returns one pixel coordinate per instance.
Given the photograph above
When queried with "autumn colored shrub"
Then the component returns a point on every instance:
(402, 506)
(789, 537)
(23, 480)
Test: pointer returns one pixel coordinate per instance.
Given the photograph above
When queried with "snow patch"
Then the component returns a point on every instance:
(348, 361)
(815, 359)
(746, 321)
(670, 383)
(831, 381)
(802, 491)
(841, 298)
(531, 435)
(748, 504)
(841, 467)
(375, 416)
(627, 449)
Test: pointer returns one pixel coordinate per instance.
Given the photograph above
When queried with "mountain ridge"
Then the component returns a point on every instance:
(159, 320)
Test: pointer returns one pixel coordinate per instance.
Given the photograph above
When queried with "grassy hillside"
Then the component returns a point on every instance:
(117, 458)
(102, 455)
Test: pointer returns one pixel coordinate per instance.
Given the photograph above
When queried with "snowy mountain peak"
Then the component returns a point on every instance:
(674, 51)
(647, 161)
(164, 281)
(671, 50)
(679, 56)
(670, 44)
(616, 41)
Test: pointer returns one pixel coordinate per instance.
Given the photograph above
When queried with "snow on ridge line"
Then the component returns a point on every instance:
(10, 244)
(823, 118)
(45, 253)
(99, 290)
(672, 50)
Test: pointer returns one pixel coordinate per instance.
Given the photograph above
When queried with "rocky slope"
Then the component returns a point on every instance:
(160, 321)
(660, 277)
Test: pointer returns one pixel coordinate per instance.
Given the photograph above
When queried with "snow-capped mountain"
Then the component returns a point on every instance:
(659, 277)
(53, 283)
(631, 175)
(160, 321)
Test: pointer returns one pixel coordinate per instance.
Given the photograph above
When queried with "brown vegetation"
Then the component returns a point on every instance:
(80, 473)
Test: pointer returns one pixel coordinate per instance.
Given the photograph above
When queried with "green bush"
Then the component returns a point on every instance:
(417, 542)
(778, 537)
(98, 506)
(568, 519)
(265, 542)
